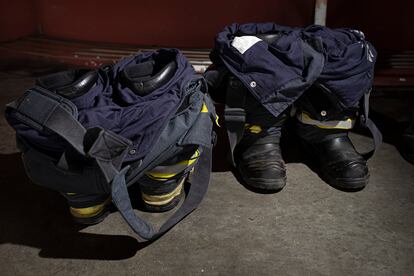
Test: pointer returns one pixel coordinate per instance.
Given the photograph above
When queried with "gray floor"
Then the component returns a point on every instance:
(308, 228)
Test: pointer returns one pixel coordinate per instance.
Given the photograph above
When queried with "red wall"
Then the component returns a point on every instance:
(186, 23)
(387, 24)
(191, 23)
(17, 18)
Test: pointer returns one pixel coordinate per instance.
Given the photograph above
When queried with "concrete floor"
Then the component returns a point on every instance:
(308, 228)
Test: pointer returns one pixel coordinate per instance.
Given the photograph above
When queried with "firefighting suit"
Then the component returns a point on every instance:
(321, 76)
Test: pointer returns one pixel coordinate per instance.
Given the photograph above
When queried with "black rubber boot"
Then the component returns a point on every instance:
(160, 196)
(162, 187)
(322, 124)
(258, 156)
(85, 209)
(259, 161)
(336, 159)
(88, 209)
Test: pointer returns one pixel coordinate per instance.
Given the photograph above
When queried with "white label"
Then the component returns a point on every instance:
(244, 43)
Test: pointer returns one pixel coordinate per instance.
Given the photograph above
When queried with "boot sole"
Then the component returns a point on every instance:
(346, 185)
(261, 186)
(342, 184)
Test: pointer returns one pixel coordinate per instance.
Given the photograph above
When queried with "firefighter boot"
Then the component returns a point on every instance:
(88, 209)
(162, 186)
(258, 155)
(323, 126)
(259, 160)
(85, 208)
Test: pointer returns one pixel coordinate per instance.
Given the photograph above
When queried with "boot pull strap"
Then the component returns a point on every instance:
(198, 180)
(42, 109)
(367, 123)
(234, 113)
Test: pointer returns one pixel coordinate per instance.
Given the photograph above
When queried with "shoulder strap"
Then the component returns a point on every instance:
(199, 181)
(367, 123)
(234, 113)
(41, 109)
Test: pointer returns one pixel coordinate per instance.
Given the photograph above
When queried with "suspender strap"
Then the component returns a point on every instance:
(367, 123)
(234, 113)
(198, 181)
(42, 110)
(109, 151)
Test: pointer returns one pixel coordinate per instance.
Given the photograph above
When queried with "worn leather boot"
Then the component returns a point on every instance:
(85, 209)
(322, 124)
(163, 186)
(258, 156)
(259, 160)
(336, 159)
(88, 209)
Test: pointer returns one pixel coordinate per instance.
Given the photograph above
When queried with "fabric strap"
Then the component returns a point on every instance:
(234, 113)
(41, 109)
(198, 180)
(367, 123)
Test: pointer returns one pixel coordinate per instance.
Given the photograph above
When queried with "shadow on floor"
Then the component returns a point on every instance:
(391, 129)
(37, 217)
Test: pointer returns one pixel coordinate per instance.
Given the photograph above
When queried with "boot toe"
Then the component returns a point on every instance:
(349, 176)
(266, 176)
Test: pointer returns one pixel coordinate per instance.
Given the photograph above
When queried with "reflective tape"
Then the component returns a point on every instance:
(163, 173)
(343, 124)
(164, 198)
(88, 212)
(204, 109)
(253, 128)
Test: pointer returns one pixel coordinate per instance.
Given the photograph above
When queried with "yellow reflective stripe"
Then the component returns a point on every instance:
(343, 124)
(88, 211)
(159, 176)
(253, 128)
(163, 173)
(165, 198)
(204, 109)
(71, 194)
(217, 121)
(336, 126)
(166, 172)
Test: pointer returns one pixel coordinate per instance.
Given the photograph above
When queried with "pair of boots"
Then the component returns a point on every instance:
(161, 187)
(258, 155)
(161, 190)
